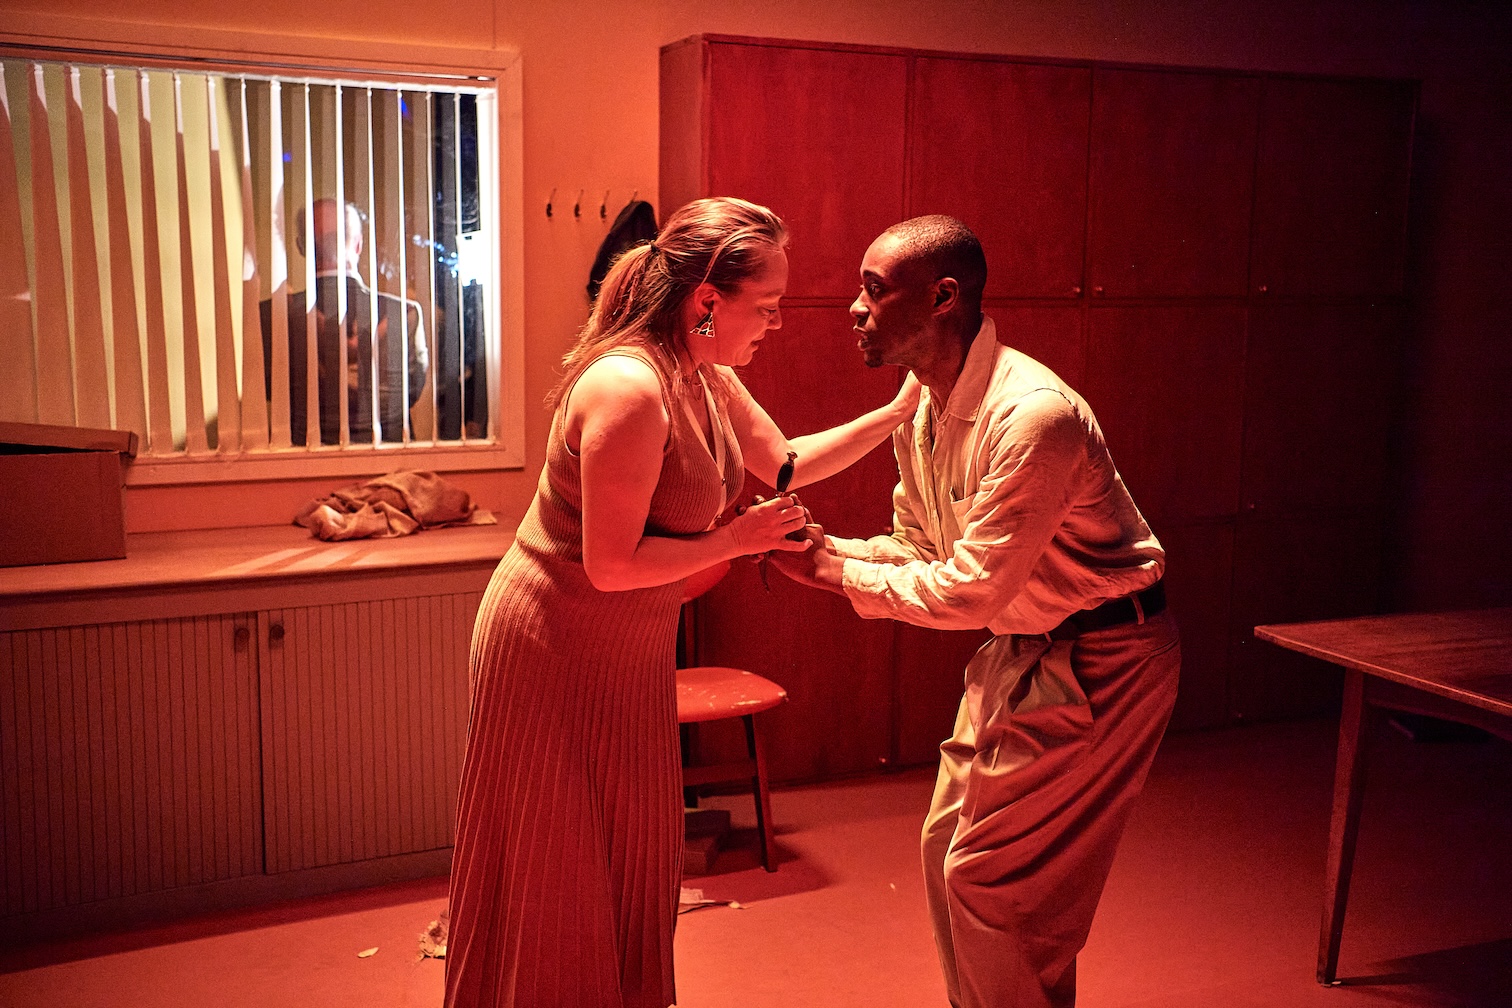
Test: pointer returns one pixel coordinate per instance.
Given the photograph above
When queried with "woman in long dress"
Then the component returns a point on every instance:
(568, 855)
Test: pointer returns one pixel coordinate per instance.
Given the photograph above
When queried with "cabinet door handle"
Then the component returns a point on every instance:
(241, 639)
(276, 634)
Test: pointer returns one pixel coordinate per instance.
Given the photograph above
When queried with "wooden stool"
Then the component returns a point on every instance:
(712, 693)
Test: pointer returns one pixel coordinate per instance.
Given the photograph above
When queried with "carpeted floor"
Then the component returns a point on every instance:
(1213, 903)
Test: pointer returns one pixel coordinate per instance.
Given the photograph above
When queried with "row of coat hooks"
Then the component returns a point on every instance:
(577, 204)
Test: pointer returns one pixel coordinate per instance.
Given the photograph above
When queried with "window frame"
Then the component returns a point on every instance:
(52, 37)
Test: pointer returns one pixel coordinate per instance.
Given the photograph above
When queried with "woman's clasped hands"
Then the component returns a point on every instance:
(766, 525)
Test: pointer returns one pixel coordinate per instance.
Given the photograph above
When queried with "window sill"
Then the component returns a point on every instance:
(301, 463)
(172, 574)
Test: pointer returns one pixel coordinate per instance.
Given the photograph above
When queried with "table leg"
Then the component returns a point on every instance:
(1355, 723)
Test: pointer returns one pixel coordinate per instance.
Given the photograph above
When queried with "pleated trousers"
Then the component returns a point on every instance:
(1052, 744)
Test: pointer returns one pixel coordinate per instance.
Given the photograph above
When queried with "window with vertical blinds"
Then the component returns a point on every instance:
(244, 265)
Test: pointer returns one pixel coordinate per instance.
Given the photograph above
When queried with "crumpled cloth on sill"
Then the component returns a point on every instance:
(392, 505)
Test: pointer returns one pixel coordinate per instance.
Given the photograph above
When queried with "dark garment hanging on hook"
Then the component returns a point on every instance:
(635, 224)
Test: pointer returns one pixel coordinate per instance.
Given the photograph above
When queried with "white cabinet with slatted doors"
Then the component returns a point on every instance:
(172, 744)
(130, 760)
(170, 756)
(364, 716)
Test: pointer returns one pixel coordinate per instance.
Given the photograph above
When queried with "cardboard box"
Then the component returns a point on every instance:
(60, 493)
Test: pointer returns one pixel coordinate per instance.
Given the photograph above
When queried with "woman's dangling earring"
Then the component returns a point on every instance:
(705, 327)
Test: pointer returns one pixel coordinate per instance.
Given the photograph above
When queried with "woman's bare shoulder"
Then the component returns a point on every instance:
(619, 386)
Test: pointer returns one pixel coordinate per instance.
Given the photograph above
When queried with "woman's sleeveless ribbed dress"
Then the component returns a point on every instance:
(569, 841)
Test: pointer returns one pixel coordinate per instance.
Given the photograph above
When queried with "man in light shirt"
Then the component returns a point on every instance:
(1011, 516)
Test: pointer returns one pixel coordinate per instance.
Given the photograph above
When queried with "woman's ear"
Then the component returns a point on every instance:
(705, 295)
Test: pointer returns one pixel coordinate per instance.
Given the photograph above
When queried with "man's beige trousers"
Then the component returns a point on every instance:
(1051, 745)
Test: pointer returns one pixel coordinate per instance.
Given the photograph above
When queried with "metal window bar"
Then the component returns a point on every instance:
(425, 217)
(449, 369)
(454, 237)
(305, 221)
(371, 353)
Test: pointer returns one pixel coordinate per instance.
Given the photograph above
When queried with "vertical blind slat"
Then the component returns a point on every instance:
(126, 343)
(228, 399)
(88, 306)
(159, 415)
(18, 390)
(195, 441)
(55, 403)
(278, 274)
(254, 405)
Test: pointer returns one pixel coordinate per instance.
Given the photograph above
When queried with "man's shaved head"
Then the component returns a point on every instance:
(943, 247)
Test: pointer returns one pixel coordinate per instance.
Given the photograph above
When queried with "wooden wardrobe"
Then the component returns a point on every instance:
(1214, 259)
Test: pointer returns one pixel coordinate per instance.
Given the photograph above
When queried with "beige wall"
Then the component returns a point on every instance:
(590, 122)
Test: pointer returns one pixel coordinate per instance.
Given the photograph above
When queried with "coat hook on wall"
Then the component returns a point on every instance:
(577, 208)
(549, 200)
(604, 207)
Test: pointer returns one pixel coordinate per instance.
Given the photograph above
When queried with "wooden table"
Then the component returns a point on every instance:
(1452, 665)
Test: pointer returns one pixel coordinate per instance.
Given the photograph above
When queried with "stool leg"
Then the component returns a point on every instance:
(759, 790)
(686, 743)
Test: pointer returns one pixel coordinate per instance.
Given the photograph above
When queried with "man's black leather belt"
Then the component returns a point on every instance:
(1130, 609)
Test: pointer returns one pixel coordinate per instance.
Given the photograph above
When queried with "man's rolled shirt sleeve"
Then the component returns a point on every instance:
(907, 542)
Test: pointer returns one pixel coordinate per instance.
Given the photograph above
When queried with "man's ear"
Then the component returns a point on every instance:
(947, 293)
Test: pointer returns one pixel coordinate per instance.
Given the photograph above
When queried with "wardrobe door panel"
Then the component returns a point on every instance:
(1171, 183)
(818, 137)
(1321, 408)
(1199, 571)
(809, 376)
(836, 666)
(1294, 569)
(1051, 335)
(1003, 147)
(1166, 384)
(680, 161)
(1331, 187)
(930, 676)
